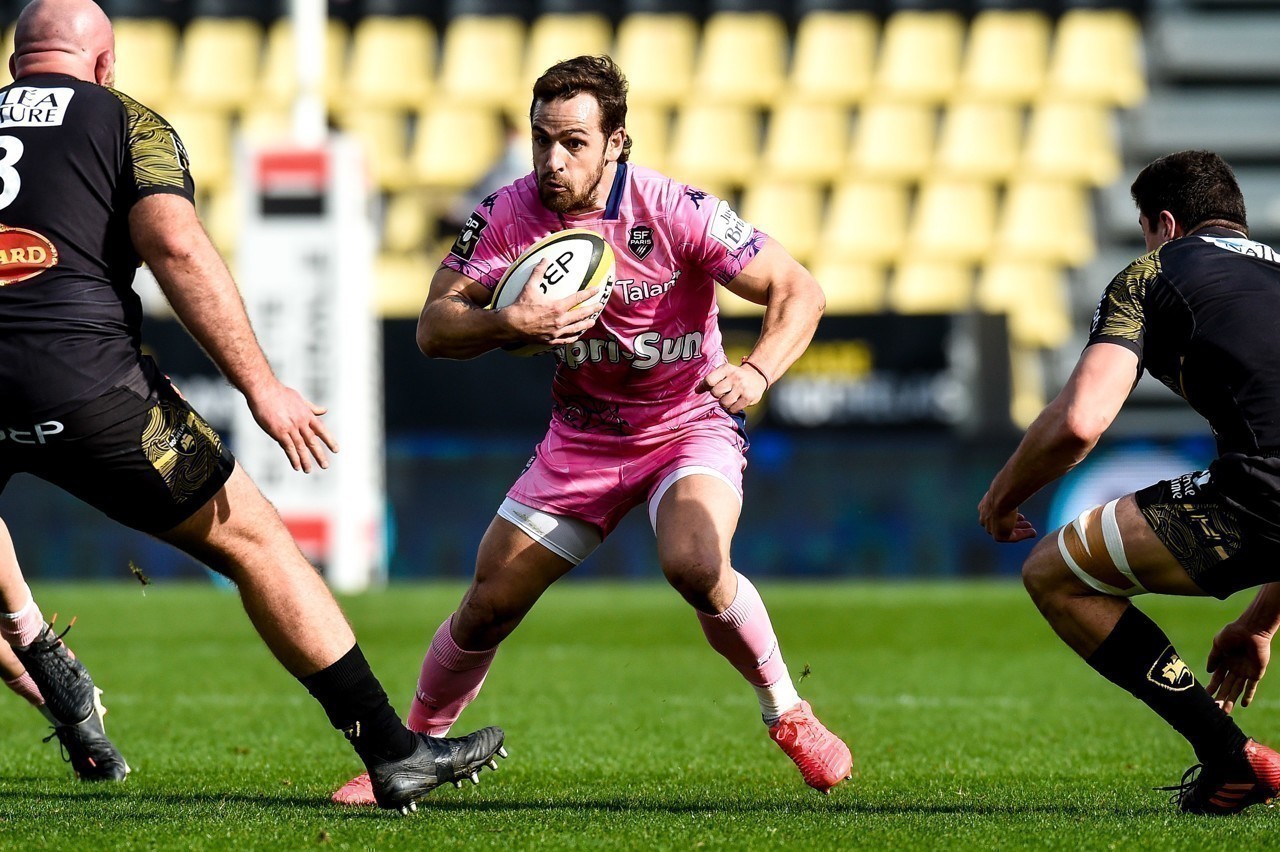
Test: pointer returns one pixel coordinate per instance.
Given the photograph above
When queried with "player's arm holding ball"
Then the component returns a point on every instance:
(793, 303)
(455, 323)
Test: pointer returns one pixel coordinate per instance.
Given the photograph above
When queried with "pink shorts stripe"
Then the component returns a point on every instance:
(599, 478)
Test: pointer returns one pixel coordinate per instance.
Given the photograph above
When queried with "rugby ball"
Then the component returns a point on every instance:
(576, 259)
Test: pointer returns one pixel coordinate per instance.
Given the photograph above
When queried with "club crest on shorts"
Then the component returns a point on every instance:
(640, 241)
(1170, 672)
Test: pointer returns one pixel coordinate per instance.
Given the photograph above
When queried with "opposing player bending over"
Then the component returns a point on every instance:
(1199, 313)
(646, 410)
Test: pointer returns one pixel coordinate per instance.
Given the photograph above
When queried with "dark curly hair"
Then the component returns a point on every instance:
(598, 76)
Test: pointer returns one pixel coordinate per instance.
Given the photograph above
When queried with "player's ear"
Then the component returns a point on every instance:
(104, 68)
(1168, 227)
(613, 146)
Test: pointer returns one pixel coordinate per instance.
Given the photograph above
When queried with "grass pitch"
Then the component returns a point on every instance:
(972, 727)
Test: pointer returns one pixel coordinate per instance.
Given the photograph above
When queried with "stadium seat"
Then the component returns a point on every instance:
(401, 282)
(930, 287)
(919, 56)
(1006, 56)
(866, 222)
(280, 67)
(650, 130)
(979, 139)
(456, 144)
(1072, 140)
(221, 215)
(893, 140)
(1097, 56)
(733, 305)
(1048, 221)
(481, 60)
(789, 212)
(383, 134)
(146, 57)
(851, 286)
(953, 220)
(1033, 295)
(553, 38)
(833, 57)
(408, 222)
(266, 123)
(807, 142)
(656, 52)
(206, 134)
(218, 66)
(392, 64)
(5, 77)
(715, 146)
(742, 59)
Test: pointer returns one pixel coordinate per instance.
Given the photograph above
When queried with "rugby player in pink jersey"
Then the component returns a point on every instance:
(646, 408)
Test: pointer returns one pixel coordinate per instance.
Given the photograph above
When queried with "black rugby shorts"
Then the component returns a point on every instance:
(1223, 547)
(147, 463)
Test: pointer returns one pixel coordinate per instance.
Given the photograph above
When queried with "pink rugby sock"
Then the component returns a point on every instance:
(22, 627)
(26, 687)
(451, 679)
(744, 636)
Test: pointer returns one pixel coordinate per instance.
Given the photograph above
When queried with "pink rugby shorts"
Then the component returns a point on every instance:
(599, 478)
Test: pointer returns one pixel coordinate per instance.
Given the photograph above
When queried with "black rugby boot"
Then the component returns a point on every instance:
(399, 784)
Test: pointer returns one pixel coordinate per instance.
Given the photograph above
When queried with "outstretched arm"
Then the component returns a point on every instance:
(1059, 439)
(169, 238)
(1242, 649)
(793, 303)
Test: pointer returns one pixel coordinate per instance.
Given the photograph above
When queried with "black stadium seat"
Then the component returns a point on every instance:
(265, 11)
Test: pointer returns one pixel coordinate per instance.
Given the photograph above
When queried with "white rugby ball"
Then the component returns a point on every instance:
(576, 259)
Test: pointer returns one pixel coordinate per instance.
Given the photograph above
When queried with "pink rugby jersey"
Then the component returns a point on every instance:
(639, 367)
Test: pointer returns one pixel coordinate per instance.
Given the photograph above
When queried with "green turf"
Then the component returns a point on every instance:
(972, 728)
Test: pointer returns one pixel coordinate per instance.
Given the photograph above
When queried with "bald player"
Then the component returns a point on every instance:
(92, 183)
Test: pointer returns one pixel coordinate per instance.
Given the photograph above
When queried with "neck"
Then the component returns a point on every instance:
(1220, 223)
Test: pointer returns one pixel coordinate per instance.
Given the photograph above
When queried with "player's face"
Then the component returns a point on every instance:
(571, 153)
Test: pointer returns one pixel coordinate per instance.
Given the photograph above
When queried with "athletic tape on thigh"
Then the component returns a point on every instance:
(675, 476)
(569, 538)
(1111, 544)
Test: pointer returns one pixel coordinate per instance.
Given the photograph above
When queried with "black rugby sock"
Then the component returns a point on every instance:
(357, 705)
(1138, 657)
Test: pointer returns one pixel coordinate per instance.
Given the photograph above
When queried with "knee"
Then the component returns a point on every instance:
(1044, 574)
(695, 575)
(484, 618)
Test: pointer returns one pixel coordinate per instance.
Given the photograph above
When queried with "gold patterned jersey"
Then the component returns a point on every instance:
(1202, 313)
(74, 159)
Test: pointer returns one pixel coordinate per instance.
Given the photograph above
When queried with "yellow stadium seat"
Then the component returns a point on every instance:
(383, 134)
(221, 215)
(280, 67)
(1006, 57)
(919, 56)
(742, 59)
(930, 287)
(1033, 295)
(866, 222)
(650, 130)
(715, 146)
(408, 223)
(1097, 56)
(392, 64)
(481, 61)
(807, 142)
(656, 52)
(146, 56)
(954, 219)
(1048, 221)
(732, 305)
(1073, 140)
(218, 67)
(851, 286)
(5, 77)
(789, 212)
(206, 134)
(555, 37)
(1026, 374)
(833, 58)
(893, 140)
(401, 282)
(266, 124)
(979, 140)
(456, 144)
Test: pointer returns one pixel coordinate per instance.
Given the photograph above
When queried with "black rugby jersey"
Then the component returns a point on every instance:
(74, 158)
(1203, 315)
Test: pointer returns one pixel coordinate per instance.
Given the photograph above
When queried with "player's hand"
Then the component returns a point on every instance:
(735, 387)
(1237, 661)
(294, 424)
(539, 319)
(1003, 526)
